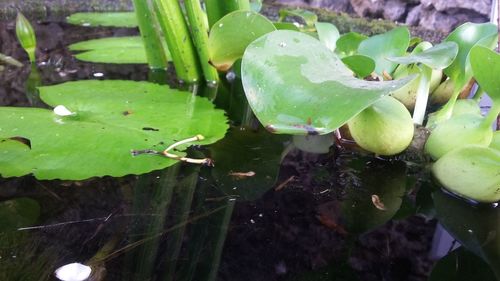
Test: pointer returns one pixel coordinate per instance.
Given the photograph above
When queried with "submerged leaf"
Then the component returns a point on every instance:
(231, 35)
(115, 19)
(295, 91)
(110, 119)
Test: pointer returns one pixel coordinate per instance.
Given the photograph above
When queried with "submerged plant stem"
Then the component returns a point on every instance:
(171, 19)
(155, 52)
(196, 18)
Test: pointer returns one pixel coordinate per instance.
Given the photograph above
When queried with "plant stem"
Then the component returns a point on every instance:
(216, 9)
(150, 35)
(479, 93)
(235, 5)
(422, 95)
(179, 42)
(491, 116)
(445, 112)
(196, 18)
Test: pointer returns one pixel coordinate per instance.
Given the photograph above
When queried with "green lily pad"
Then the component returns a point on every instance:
(254, 170)
(231, 35)
(472, 172)
(115, 19)
(380, 47)
(361, 65)
(129, 49)
(110, 118)
(328, 34)
(437, 57)
(467, 36)
(18, 212)
(348, 43)
(295, 91)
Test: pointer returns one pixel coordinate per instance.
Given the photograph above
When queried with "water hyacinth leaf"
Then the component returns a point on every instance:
(254, 171)
(485, 65)
(114, 19)
(256, 5)
(286, 26)
(231, 35)
(308, 17)
(292, 90)
(471, 172)
(361, 65)
(18, 212)
(467, 36)
(110, 119)
(437, 57)
(328, 34)
(390, 44)
(475, 227)
(128, 49)
(348, 43)
(495, 141)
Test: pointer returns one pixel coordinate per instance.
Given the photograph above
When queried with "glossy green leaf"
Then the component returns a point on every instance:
(475, 227)
(328, 34)
(495, 141)
(115, 19)
(110, 118)
(380, 47)
(254, 170)
(231, 35)
(348, 43)
(308, 17)
(286, 26)
(437, 57)
(18, 212)
(485, 65)
(467, 36)
(461, 265)
(361, 65)
(471, 171)
(129, 49)
(295, 91)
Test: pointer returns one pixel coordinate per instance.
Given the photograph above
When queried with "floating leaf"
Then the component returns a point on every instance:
(115, 19)
(361, 65)
(129, 49)
(467, 36)
(348, 43)
(18, 212)
(295, 91)
(472, 172)
(308, 17)
(328, 34)
(390, 44)
(231, 35)
(255, 169)
(437, 57)
(111, 118)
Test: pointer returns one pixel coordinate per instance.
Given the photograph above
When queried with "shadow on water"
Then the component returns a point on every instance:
(273, 207)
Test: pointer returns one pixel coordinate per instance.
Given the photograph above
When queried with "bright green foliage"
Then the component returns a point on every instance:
(26, 36)
(471, 171)
(110, 119)
(385, 128)
(115, 19)
(437, 57)
(328, 34)
(390, 44)
(231, 35)
(361, 65)
(129, 49)
(348, 43)
(495, 141)
(295, 91)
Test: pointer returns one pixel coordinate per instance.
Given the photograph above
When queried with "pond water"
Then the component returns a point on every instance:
(269, 209)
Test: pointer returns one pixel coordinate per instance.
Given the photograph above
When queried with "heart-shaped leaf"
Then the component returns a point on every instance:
(328, 34)
(231, 35)
(437, 57)
(467, 36)
(380, 47)
(348, 43)
(115, 19)
(129, 49)
(106, 120)
(295, 91)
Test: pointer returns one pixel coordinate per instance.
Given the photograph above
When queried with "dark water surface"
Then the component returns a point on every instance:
(298, 216)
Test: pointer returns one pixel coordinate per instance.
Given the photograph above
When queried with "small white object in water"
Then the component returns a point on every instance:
(61, 110)
(98, 74)
(73, 272)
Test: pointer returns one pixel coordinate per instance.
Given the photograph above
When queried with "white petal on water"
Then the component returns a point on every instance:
(61, 110)
(73, 272)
